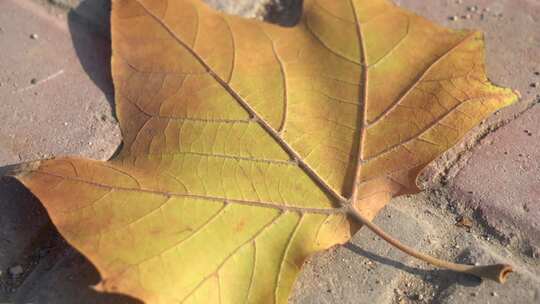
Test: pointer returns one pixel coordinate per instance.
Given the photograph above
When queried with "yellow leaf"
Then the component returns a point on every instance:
(244, 142)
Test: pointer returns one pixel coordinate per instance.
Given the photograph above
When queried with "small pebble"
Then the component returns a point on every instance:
(535, 84)
(34, 36)
(537, 73)
(468, 16)
(474, 294)
(453, 18)
(494, 294)
(33, 81)
(472, 8)
(420, 297)
(16, 270)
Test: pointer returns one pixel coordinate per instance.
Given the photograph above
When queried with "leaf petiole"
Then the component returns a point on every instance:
(495, 272)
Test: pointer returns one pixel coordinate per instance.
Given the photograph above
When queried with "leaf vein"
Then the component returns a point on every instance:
(266, 126)
(284, 255)
(284, 82)
(427, 128)
(254, 237)
(415, 83)
(265, 204)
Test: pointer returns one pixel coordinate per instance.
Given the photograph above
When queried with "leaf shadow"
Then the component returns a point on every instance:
(440, 279)
(285, 12)
(89, 27)
(54, 271)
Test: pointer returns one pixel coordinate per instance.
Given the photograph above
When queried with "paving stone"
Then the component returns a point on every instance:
(366, 270)
(522, 288)
(65, 278)
(511, 34)
(54, 89)
(95, 12)
(55, 92)
(22, 219)
(501, 177)
(25, 226)
(375, 272)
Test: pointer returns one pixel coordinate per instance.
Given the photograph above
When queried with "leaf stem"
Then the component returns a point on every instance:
(495, 272)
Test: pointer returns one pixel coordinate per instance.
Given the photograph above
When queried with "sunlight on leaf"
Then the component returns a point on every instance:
(244, 141)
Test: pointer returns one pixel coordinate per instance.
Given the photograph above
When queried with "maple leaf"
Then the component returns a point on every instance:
(248, 146)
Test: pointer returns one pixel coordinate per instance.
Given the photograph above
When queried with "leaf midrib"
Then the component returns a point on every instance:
(272, 205)
(361, 109)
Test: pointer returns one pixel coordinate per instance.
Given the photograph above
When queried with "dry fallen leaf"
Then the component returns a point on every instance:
(246, 143)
